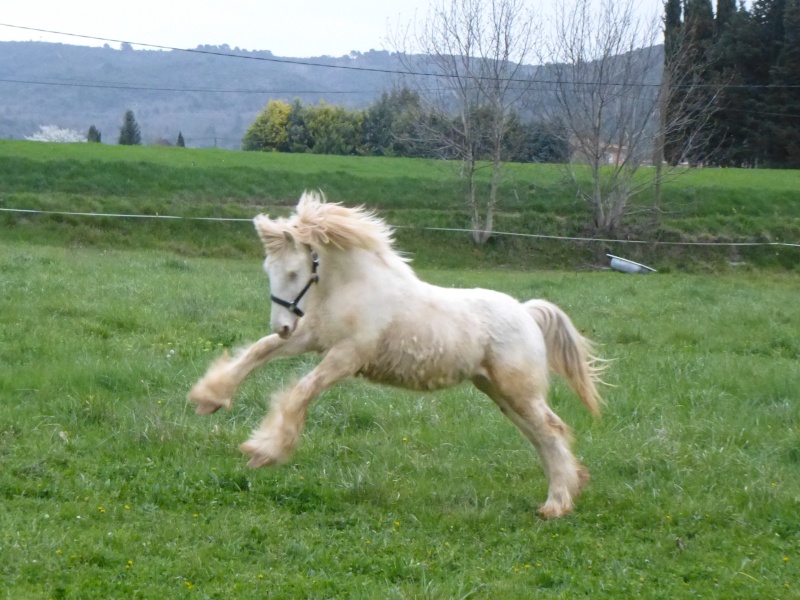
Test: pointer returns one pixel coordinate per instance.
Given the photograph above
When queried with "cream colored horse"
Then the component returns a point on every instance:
(340, 289)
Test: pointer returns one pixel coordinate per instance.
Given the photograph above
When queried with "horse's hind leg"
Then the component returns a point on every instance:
(521, 398)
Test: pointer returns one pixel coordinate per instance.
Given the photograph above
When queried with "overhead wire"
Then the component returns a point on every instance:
(294, 61)
(122, 86)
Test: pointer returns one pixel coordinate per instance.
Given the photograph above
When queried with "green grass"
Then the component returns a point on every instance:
(726, 205)
(112, 488)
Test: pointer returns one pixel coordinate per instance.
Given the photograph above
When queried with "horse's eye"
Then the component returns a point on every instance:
(292, 275)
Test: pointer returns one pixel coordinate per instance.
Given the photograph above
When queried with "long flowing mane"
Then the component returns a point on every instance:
(319, 223)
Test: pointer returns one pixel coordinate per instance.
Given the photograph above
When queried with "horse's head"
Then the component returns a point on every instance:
(292, 270)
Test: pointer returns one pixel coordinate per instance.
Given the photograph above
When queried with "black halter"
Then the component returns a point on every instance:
(292, 306)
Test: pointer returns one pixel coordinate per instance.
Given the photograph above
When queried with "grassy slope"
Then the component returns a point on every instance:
(111, 487)
(717, 204)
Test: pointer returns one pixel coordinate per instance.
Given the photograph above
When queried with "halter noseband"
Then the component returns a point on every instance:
(292, 306)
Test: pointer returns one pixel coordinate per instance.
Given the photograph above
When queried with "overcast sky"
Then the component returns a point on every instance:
(296, 28)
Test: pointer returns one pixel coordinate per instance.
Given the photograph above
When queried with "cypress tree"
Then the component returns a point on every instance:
(129, 134)
(181, 143)
(783, 149)
(725, 11)
(673, 31)
(93, 135)
(700, 33)
(737, 116)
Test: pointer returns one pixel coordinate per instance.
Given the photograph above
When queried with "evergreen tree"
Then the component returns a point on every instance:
(754, 58)
(334, 129)
(93, 135)
(673, 41)
(699, 25)
(783, 102)
(725, 11)
(129, 134)
(389, 123)
(181, 143)
(700, 34)
(672, 28)
(720, 74)
(739, 105)
(763, 47)
(769, 16)
(300, 139)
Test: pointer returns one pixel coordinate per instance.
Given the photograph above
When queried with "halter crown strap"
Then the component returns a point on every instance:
(292, 306)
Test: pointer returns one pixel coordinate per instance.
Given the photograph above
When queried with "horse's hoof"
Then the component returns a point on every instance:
(583, 477)
(206, 408)
(207, 402)
(551, 510)
(259, 458)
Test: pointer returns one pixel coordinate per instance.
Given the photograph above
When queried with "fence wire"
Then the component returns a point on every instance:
(445, 229)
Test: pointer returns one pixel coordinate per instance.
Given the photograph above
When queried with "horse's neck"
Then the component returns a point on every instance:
(356, 266)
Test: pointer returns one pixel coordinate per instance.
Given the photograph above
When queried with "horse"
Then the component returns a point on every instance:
(340, 288)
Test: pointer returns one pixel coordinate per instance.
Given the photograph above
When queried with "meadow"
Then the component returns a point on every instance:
(111, 487)
(708, 205)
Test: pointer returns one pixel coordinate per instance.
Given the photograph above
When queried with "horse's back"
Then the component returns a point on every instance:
(438, 337)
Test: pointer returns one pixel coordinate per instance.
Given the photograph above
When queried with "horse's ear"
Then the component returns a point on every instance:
(288, 236)
(266, 231)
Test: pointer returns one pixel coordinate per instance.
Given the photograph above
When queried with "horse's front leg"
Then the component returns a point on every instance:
(215, 390)
(279, 434)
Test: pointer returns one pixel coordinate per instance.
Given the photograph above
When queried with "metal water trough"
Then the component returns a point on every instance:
(628, 266)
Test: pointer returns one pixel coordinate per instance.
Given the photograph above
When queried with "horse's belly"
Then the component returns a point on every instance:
(410, 364)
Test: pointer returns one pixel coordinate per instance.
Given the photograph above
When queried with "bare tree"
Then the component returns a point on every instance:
(607, 82)
(465, 62)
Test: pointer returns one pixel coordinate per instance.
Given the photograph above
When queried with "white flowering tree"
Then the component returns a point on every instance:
(54, 133)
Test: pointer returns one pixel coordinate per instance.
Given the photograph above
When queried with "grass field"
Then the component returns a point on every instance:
(112, 488)
(710, 205)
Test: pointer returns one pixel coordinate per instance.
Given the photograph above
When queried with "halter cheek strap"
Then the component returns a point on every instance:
(292, 306)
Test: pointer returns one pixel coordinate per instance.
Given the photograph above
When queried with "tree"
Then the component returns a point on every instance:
(299, 138)
(604, 64)
(698, 55)
(476, 50)
(129, 134)
(180, 143)
(270, 129)
(784, 96)
(93, 135)
(673, 34)
(540, 141)
(388, 128)
(740, 103)
(334, 130)
(726, 9)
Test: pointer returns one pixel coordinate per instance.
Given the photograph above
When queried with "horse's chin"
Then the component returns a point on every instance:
(285, 331)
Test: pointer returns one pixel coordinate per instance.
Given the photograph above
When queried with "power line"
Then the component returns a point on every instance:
(122, 86)
(287, 61)
(290, 61)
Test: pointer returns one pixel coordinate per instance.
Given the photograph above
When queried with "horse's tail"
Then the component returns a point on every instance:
(569, 354)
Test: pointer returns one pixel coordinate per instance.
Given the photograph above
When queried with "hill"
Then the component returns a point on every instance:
(211, 94)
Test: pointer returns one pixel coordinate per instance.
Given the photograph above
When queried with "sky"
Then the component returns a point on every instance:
(294, 28)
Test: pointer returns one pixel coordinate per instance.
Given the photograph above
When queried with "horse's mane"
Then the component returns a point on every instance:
(318, 223)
